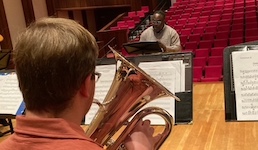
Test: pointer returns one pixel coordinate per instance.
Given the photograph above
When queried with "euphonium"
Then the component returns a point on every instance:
(130, 90)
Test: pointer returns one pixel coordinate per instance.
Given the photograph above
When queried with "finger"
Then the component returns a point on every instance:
(151, 130)
(157, 138)
(146, 123)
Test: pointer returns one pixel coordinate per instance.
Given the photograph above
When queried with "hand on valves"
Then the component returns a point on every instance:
(142, 137)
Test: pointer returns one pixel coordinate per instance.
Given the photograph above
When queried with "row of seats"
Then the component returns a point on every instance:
(132, 19)
(207, 27)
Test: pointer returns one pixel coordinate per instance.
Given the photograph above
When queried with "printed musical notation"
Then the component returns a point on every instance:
(101, 89)
(10, 94)
(169, 73)
(245, 71)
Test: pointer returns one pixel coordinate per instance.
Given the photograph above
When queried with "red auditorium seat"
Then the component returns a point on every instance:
(199, 30)
(251, 25)
(251, 38)
(238, 15)
(191, 45)
(220, 43)
(237, 33)
(217, 51)
(186, 14)
(216, 12)
(203, 19)
(222, 35)
(206, 44)
(140, 13)
(186, 31)
(238, 21)
(224, 27)
(212, 23)
(208, 36)
(183, 39)
(250, 13)
(204, 52)
(131, 14)
(114, 28)
(193, 20)
(215, 60)
(251, 19)
(182, 21)
(251, 32)
(226, 16)
(215, 17)
(190, 25)
(131, 24)
(171, 22)
(121, 23)
(234, 41)
(145, 9)
(136, 19)
(199, 61)
(212, 73)
(195, 37)
(204, 14)
(237, 27)
(169, 13)
(225, 22)
(195, 14)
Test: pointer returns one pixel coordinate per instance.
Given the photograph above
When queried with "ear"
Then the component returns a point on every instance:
(85, 87)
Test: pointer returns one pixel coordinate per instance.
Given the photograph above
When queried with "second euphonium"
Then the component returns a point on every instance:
(130, 90)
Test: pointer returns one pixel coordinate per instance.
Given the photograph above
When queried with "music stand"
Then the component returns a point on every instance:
(142, 47)
(4, 58)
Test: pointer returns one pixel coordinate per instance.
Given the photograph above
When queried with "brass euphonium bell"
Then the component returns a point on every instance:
(130, 90)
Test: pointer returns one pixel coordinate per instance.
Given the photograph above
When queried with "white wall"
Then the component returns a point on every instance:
(40, 8)
(15, 17)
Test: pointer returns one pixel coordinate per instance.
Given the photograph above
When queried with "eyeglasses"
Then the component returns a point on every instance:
(156, 22)
(97, 76)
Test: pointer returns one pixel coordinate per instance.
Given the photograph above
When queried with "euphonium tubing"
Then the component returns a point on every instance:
(130, 90)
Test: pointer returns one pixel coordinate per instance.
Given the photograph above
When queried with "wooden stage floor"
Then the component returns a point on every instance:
(209, 130)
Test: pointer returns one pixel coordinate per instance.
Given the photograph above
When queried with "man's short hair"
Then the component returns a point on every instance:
(53, 57)
(162, 13)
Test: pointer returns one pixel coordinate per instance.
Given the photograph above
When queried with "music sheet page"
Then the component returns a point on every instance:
(10, 94)
(165, 73)
(102, 87)
(245, 71)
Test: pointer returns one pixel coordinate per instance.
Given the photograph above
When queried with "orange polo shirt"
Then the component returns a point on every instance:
(47, 134)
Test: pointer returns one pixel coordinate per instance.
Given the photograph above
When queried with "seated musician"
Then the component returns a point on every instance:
(55, 64)
(167, 37)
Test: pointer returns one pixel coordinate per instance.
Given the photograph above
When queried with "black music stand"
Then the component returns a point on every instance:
(142, 47)
(4, 58)
(7, 118)
(229, 87)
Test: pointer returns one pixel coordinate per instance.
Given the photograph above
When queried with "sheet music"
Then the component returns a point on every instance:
(101, 89)
(179, 71)
(165, 73)
(245, 70)
(182, 75)
(10, 94)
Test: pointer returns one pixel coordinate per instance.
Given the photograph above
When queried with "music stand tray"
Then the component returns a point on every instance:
(142, 47)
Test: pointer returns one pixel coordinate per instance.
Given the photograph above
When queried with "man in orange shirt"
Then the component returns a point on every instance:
(55, 65)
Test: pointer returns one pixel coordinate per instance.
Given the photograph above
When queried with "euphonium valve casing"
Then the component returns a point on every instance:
(130, 90)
